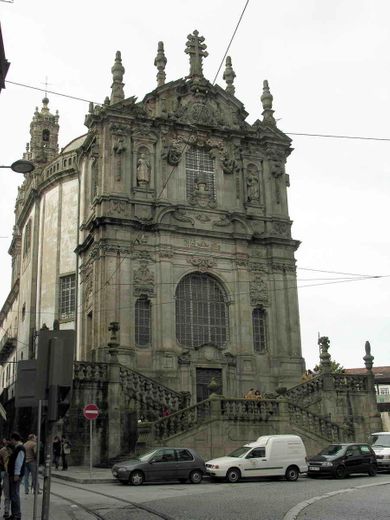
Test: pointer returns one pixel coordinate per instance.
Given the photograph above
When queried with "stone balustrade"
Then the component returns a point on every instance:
(306, 393)
(317, 424)
(151, 397)
(181, 421)
(249, 409)
(90, 371)
(350, 382)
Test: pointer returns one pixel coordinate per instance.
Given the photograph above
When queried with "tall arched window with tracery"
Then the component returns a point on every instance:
(259, 330)
(201, 311)
(142, 322)
(199, 170)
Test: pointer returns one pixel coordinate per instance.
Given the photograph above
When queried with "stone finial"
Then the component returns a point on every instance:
(45, 103)
(324, 345)
(229, 76)
(117, 93)
(160, 62)
(197, 51)
(368, 358)
(266, 101)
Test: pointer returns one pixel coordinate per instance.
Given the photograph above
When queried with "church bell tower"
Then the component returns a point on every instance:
(43, 146)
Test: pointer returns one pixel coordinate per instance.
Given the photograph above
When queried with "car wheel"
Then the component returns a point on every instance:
(340, 472)
(136, 478)
(196, 476)
(233, 475)
(373, 470)
(292, 473)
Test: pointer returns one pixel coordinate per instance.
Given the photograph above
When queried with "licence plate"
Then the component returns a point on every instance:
(314, 468)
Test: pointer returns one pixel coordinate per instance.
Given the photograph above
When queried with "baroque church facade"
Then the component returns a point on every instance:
(169, 218)
(162, 237)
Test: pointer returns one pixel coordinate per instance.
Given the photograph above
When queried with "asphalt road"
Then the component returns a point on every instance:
(358, 498)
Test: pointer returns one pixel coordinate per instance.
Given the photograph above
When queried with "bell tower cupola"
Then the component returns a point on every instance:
(43, 146)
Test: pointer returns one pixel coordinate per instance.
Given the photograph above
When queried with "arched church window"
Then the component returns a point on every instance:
(45, 135)
(259, 330)
(201, 311)
(199, 172)
(142, 322)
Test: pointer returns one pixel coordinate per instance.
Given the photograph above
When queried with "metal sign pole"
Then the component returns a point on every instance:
(35, 510)
(90, 449)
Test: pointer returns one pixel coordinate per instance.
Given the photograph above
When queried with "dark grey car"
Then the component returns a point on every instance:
(180, 464)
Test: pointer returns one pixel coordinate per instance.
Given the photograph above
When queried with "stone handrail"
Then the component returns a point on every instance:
(317, 424)
(305, 393)
(90, 371)
(351, 382)
(249, 409)
(151, 397)
(181, 421)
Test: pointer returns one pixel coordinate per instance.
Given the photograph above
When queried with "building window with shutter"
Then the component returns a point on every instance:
(259, 330)
(201, 311)
(67, 303)
(142, 322)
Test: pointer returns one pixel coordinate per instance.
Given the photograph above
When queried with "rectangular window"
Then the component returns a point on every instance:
(27, 239)
(67, 301)
(384, 390)
(199, 166)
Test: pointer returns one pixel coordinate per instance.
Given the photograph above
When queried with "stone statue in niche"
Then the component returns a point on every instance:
(119, 148)
(143, 168)
(277, 172)
(252, 184)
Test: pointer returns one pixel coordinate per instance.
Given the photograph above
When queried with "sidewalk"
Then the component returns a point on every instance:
(61, 509)
(82, 475)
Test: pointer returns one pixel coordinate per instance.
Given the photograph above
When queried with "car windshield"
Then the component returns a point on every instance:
(240, 452)
(146, 456)
(332, 449)
(382, 441)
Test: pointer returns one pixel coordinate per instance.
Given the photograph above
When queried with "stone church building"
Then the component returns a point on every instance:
(162, 236)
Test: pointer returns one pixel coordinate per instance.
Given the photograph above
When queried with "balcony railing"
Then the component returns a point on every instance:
(7, 346)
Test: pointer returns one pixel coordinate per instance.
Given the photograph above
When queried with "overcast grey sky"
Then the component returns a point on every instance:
(328, 65)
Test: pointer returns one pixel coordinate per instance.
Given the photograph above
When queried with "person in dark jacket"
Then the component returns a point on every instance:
(16, 464)
(56, 451)
(65, 451)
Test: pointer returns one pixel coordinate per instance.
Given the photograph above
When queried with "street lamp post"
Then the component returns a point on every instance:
(21, 166)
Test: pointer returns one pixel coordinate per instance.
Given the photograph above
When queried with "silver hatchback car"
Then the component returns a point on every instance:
(167, 464)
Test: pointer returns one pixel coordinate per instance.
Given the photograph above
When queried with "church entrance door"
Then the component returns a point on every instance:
(203, 378)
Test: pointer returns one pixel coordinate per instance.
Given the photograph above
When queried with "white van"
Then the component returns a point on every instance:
(380, 443)
(269, 456)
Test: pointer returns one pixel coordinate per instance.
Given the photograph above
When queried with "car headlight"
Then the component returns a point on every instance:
(214, 466)
(122, 469)
(327, 464)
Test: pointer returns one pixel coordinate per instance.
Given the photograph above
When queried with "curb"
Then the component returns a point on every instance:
(293, 513)
(84, 480)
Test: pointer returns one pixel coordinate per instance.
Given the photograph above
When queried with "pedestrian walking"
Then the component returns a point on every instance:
(31, 465)
(56, 451)
(5, 452)
(16, 464)
(65, 451)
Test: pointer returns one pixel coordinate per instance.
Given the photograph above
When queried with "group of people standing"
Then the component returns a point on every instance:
(61, 450)
(253, 394)
(17, 462)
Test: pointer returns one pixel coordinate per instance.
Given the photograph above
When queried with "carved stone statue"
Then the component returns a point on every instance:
(143, 170)
(252, 186)
(119, 148)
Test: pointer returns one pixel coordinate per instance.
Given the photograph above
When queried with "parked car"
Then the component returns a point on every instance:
(269, 456)
(380, 443)
(180, 464)
(342, 459)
